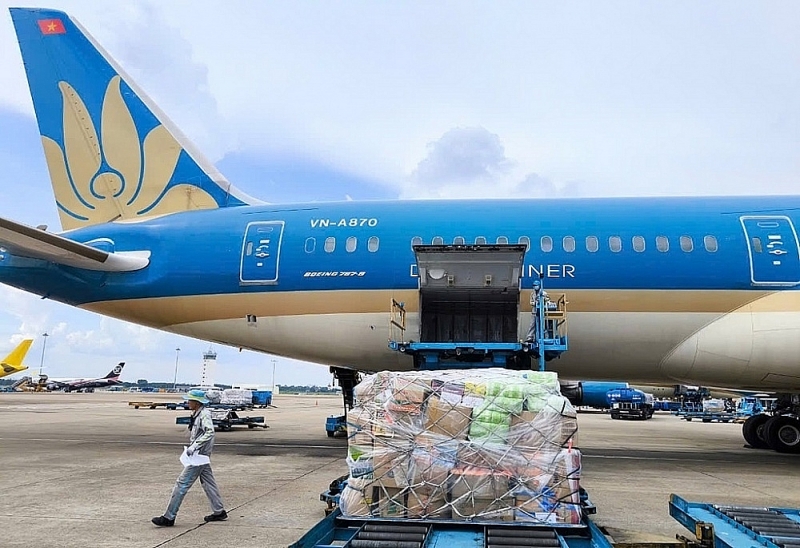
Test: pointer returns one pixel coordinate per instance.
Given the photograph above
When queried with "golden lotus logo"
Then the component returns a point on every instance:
(118, 176)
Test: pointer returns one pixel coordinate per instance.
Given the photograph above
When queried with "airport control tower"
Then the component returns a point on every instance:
(209, 365)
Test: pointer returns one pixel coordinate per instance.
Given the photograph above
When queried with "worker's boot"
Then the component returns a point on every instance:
(161, 521)
(222, 516)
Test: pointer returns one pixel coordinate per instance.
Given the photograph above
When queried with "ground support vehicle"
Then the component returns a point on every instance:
(262, 398)
(630, 403)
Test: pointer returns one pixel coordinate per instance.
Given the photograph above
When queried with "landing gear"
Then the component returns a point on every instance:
(348, 379)
(782, 433)
(753, 429)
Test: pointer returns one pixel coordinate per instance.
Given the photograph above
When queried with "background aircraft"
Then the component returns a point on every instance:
(13, 362)
(84, 384)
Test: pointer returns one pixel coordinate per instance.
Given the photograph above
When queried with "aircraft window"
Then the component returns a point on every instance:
(662, 244)
(711, 243)
(502, 239)
(330, 244)
(311, 245)
(416, 240)
(568, 243)
(525, 240)
(547, 244)
(686, 243)
(615, 244)
(437, 240)
(480, 240)
(249, 250)
(373, 243)
(459, 240)
(757, 244)
(592, 245)
(350, 244)
(638, 244)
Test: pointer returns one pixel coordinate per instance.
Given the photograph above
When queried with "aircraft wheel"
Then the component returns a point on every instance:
(752, 431)
(783, 434)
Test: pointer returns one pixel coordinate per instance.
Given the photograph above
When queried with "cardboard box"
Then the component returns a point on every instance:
(391, 503)
(549, 504)
(406, 390)
(403, 420)
(501, 458)
(428, 502)
(433, 462)
(394, 468)
(446, 419)
(477, 482)
(474, 508)
(546, 429)
(359, 427)
(449, 392)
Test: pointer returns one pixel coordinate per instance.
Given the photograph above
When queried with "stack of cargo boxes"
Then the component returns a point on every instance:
(463, 445)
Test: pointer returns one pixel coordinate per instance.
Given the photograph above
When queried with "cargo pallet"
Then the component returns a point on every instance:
(713, 417)
(153, 404)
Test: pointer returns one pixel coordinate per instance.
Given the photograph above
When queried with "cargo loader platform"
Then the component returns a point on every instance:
(714, 526)
(340, 532)
(723, 526)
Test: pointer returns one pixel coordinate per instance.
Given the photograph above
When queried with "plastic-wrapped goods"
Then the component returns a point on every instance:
(233, 396)
(714, 406)
(488, 444)
(213, 395)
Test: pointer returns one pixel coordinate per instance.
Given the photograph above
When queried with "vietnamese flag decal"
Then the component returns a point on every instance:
(52, 26)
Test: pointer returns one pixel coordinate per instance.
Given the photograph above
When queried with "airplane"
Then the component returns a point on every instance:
(13, 362)
(86, 384)
(671, 290)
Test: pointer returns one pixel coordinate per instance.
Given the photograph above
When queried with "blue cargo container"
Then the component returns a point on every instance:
(262, 397)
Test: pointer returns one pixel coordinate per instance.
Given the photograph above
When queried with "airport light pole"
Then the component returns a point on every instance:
(274, 361)
(175, 380)
(44, 345)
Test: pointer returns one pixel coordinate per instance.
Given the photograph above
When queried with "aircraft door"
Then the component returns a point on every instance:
(773, 249)
(261, 252)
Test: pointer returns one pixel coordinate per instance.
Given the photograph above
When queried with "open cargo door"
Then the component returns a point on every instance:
(469, 293)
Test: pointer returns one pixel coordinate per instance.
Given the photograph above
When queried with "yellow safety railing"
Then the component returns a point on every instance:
(397, 321)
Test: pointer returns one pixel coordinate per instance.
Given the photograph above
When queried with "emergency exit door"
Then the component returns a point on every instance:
(261, 251)
(773, 249)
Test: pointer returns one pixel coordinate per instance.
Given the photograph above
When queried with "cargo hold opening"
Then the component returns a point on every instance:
(469, 293)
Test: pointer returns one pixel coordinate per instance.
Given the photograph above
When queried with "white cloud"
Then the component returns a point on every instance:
(472, 163)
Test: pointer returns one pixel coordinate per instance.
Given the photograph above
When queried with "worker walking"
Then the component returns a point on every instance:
(201, 440)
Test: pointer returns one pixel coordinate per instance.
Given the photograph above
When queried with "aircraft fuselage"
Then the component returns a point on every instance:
(695, 290)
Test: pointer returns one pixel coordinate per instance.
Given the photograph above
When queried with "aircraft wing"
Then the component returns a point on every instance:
(26, 241)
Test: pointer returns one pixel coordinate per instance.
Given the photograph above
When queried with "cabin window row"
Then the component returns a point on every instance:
(569, 243)
(350, 244)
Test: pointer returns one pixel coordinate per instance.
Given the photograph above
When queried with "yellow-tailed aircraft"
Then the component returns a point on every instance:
(13, 362)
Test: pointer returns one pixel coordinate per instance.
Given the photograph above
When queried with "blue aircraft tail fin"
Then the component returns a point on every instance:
(112, 154)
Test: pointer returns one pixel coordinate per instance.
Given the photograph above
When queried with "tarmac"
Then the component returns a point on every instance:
(84, 470)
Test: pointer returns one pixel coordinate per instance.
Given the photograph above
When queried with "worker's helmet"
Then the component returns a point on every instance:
(196, 395)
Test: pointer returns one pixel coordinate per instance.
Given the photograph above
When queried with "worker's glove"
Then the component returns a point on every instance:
(191, 450)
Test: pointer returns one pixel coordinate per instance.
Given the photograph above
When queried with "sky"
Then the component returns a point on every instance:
(417, 100)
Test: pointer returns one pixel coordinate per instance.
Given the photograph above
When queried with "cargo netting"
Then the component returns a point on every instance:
(488, 444)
